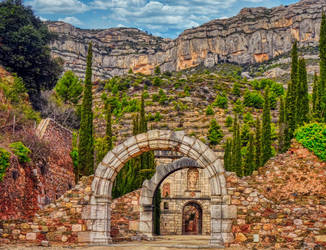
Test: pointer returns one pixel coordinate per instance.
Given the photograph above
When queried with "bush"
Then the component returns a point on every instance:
(236, 89)
(4, 162)
(209, 110)
(21, 151)
(253, 99)
(215, 133)
(313, 137)
(221, 102)
(228, 121)
(238, 107)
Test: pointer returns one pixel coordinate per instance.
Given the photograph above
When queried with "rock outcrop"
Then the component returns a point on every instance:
(253, 36)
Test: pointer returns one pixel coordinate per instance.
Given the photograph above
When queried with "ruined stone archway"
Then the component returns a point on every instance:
(99, 210)
(149, 188)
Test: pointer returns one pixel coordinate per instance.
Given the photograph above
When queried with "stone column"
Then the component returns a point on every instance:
(216, 222)
(101, 221)
(146, 221)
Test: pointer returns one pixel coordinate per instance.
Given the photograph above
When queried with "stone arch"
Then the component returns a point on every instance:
(99, 210)
(149, 188)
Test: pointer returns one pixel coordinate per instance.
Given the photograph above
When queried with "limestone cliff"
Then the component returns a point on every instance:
(253, 36)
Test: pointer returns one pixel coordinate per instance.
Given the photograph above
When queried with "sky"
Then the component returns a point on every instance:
(165, 18)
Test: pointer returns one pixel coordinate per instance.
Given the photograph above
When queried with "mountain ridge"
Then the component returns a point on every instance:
(253, 36)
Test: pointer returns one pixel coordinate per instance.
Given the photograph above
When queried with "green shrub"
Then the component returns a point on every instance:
(155, 97)
(253, 99)
(157, 81)
(236, 89)
(313, 137)
(221, 102)
(238, 107)
(209, 110)
(4, 162)
(163, 98)
(21, 151)
(215, 133)
(228, 121)
(157, 117)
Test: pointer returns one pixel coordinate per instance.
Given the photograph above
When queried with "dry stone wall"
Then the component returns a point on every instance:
(28, 187)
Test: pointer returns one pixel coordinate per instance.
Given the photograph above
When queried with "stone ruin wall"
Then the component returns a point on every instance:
(28, 187)
(297, 221)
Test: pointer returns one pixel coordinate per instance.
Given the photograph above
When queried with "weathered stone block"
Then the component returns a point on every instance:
(31, 236)
(77, 228)
(229, 211)
(83, 237)
(134, 225)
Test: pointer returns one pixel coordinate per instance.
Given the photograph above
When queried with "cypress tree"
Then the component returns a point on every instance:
(322, 80)
(315, 98)
(234, 144)
(258, 145)
(237, 154)
(291, 96)
(86, 140)
(228, 155)
(266, 131)
(108, 132)
(250, 161)
(302, 96)
(281, 126)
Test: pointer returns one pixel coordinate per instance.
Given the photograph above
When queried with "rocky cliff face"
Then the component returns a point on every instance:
(253, 36)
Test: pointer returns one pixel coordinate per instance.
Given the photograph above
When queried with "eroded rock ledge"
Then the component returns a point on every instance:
(253, 36)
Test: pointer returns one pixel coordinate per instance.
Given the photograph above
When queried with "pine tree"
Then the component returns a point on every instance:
(322, 80)
(86, 140)
(302, 96)
(258, 145)
(267, 130)
(282, 127)
(315, 98)
(250, 161)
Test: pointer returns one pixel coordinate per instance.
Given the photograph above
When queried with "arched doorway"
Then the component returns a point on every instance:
(192, 219)
(98, 212)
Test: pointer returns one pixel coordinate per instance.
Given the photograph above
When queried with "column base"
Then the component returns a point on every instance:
(217, 242)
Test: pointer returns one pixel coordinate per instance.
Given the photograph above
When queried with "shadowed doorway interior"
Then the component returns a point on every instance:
(192, 219)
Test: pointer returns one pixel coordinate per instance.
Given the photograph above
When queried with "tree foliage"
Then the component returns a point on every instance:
(267, 130)
(86, 140)
(69, 88)
(24, 50)
(215, 133)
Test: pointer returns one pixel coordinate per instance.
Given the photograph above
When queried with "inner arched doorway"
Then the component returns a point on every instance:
(98, 212)
(192, 219)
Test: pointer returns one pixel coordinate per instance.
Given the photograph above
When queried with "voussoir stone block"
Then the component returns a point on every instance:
(211, 155)
(130, 142)
(153, 135)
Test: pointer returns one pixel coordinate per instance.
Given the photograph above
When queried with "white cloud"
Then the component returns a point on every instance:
(72, 20)
(58, 6)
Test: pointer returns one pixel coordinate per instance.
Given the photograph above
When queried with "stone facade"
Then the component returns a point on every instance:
(178, 195)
